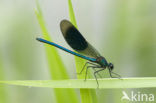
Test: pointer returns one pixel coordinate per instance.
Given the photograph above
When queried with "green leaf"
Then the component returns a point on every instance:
(56, 66)
(54, 60)
(115, 83)
(87, 95)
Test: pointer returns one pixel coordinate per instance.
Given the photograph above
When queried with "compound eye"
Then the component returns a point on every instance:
(111, 66)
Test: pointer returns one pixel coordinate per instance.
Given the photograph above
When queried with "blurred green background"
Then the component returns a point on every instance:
(123, 31)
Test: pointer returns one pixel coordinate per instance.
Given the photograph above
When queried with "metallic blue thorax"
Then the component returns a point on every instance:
(102, 61)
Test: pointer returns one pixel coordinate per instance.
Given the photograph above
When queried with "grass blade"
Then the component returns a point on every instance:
(107, 83)
(56, 66)
(87, 95)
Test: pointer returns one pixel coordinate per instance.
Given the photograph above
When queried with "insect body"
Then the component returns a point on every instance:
(85, 50)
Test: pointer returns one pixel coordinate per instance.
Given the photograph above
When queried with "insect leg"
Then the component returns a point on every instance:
(96, 66)
(87, 71)
(97, 73)
(85, 66)
(118, 76)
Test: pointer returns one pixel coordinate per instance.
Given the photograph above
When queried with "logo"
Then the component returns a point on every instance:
(137, 97)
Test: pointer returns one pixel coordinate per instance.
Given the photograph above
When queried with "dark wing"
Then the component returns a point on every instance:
(74, 38)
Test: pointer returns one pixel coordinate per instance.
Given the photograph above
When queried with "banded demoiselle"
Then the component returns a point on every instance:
(85, 50)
